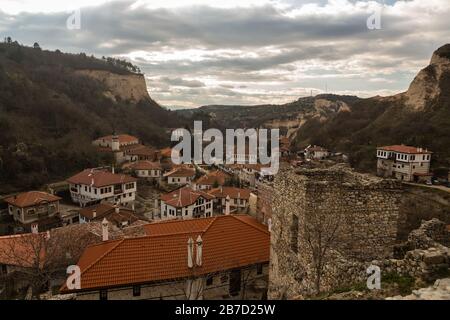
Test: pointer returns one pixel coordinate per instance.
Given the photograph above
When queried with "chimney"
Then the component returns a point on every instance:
(199, 255)
(105, 234)
(94, 214)
(34, 228)
(190, 256)
(115, 144)
(227, 206)
(116, 208)
(112, 170)
(47, 235)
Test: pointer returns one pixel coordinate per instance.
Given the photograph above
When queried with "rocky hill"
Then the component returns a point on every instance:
(419, 116)
(52, 105)
(119, 87)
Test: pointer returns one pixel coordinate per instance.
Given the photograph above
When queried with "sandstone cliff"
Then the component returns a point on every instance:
(130, 87)
(427, 86)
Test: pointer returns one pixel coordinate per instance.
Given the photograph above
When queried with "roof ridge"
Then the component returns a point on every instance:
(210, 224)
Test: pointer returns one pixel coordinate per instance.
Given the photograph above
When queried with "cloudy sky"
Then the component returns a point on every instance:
(199, 52)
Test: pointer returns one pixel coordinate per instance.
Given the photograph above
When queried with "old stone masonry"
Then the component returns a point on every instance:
(330, 225)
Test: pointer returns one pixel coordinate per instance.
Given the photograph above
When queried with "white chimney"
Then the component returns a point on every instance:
(269, 224)
(115, 144)
(34, 228)
(48, 235)
(94, 214)
(190, 256)
(227, 205)
(105, 234)
(116, 209)
(199, 255)
(112, 170)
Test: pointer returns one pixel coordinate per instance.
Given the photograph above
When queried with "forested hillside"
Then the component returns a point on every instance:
(49, 114)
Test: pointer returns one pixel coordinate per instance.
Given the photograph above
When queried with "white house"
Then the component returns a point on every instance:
(211, 180)
(186, 203)
(35, 209)
(404, 163)
(238, 199)
(180, 176)
(95, 185)
(115, 141)
(145, 169)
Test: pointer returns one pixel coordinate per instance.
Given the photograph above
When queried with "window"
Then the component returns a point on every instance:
(294, 234)
(209, 281)
(259, 269)
(103, 294)
(136, 291)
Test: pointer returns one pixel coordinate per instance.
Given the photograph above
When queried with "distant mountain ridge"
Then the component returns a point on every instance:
(420, 117)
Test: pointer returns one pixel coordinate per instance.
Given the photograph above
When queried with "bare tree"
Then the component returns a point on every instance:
(320, 234)
(40, 258)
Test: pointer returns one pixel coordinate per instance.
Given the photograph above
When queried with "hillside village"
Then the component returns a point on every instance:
(143, 199)
(141, 227)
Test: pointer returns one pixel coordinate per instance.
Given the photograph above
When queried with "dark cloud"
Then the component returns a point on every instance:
(249, 52)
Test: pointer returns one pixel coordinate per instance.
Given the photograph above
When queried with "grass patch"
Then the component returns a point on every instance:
(405, 283)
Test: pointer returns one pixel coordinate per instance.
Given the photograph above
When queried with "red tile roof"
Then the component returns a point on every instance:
(31, 198)
(234, 193)
(181, 172)
(123, 138)
(108, 211)
(138, 150)
(184, 197)
(211, 178)
(99, 178)
(143, 165)
(228, 242)
(405, 149)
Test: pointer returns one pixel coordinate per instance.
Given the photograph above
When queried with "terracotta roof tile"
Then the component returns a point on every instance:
(404, 149)
(123, 138)
(228, 242)
(108, 211)
(234, 193)
(211, 178)
(184, 197)
(143, 165)
(181, 172)
(31, 198)
(99, 178)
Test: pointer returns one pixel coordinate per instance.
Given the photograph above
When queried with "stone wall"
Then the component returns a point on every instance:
(358, 212)
(264, 202)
